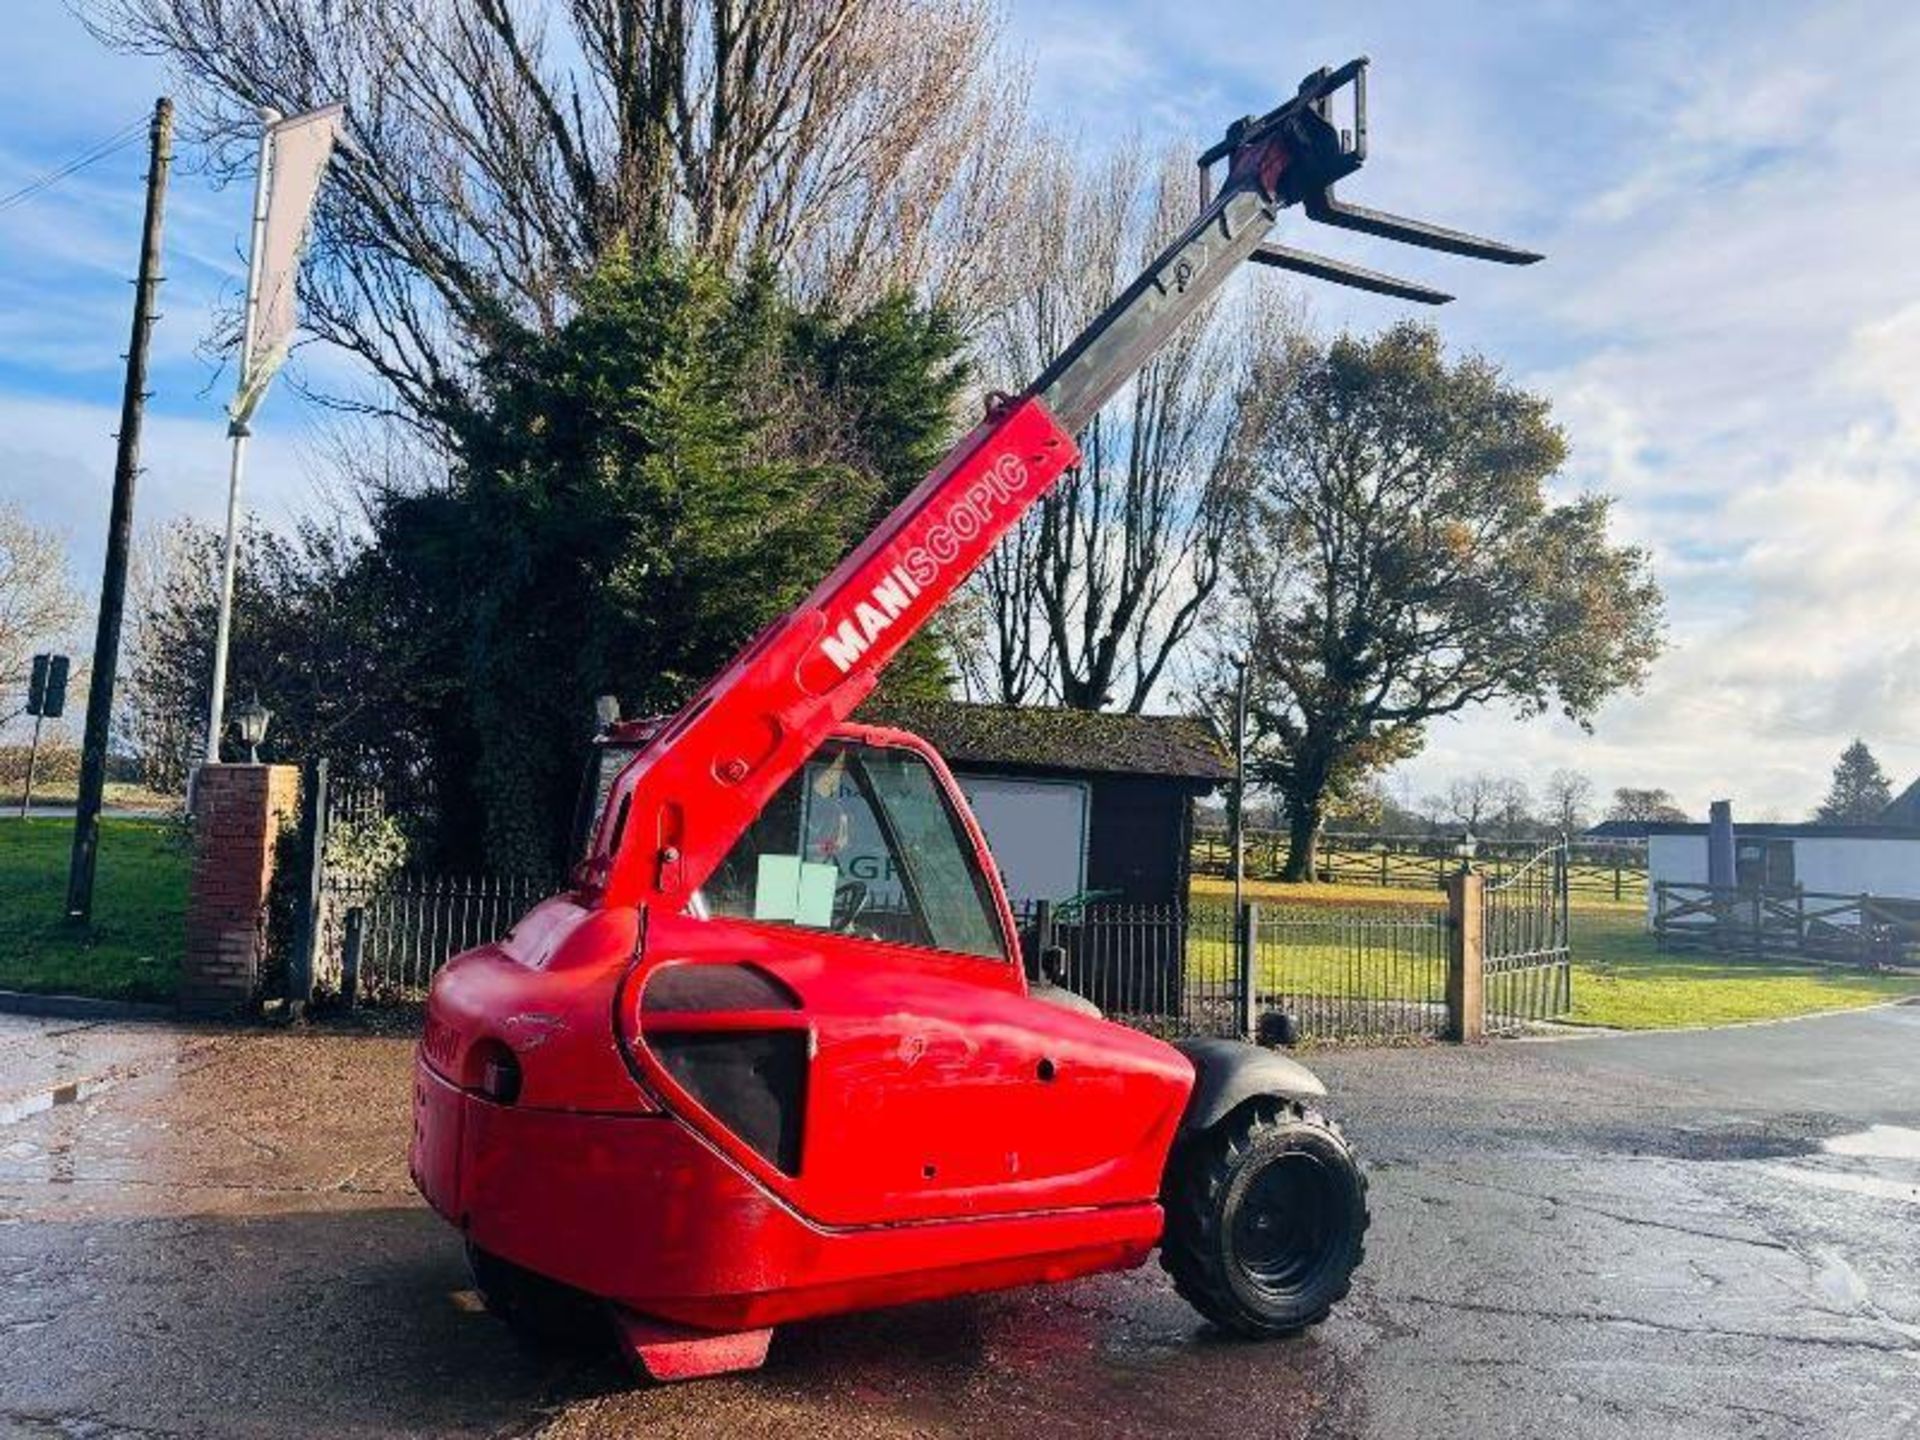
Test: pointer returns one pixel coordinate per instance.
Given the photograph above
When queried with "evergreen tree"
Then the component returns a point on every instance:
(639, 491)
(634, 495)
(1859, 791)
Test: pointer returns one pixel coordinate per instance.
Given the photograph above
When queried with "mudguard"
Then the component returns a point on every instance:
(1230, 1072)
(1066, 999)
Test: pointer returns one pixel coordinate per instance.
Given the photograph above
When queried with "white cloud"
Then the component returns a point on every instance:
(1744, 372)
(1726, 323)
(58, 455)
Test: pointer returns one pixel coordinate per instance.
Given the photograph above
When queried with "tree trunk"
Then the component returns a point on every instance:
(1303, 837)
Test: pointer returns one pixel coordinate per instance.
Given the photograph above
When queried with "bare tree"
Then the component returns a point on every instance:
(1110, 573)
(1472, 800)
(1568, 801)
(38, 603)
(501, 147)
(1486, 804)
(1656, 806)
(993, 628)
(1513, 809)
(155, 718)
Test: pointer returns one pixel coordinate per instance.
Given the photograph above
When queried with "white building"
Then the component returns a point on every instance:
(1878, 860)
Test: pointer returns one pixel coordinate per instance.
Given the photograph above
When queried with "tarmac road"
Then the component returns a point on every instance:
(1686, 1234)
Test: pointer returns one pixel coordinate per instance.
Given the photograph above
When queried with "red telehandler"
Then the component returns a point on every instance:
(719, 1084)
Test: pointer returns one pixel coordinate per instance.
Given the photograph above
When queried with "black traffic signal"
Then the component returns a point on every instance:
(47, 690)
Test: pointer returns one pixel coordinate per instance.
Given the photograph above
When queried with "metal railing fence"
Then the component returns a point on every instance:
(1337, 973)
(386, 939)
(1374, 972)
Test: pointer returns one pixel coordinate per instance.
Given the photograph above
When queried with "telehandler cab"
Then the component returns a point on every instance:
(718, 1084)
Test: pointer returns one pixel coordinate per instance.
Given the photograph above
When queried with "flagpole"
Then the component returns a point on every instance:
(239, 431)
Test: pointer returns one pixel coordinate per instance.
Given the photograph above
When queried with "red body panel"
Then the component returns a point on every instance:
(640, 1210)
(939, 1154)
(924, 1092)
(954, 1133)
(674, 1352)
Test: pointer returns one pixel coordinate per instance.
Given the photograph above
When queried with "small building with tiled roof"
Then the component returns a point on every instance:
(1075, 803)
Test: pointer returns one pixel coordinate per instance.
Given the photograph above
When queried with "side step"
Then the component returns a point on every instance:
(668, 1352)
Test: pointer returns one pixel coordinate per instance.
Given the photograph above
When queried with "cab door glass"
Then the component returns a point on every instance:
(863, 841)
(940, 862)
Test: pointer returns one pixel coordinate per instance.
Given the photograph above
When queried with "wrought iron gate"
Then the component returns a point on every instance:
(1527, 957)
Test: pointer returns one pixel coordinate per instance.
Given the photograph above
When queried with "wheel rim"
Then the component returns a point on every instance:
(1290, 1225)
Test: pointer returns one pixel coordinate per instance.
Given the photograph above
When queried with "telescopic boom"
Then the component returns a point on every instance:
(677, 809)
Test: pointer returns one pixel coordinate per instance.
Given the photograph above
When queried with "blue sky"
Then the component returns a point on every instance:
(1728, 322)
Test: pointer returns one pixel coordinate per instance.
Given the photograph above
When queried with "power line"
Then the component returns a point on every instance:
(117, 141)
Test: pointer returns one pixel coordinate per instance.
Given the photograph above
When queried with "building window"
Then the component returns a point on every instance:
(1763, 864)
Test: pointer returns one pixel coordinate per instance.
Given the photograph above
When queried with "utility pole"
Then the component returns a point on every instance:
(113, 584)
(1237, 838)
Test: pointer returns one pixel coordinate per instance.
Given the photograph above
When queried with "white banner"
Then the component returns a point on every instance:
(298, 149)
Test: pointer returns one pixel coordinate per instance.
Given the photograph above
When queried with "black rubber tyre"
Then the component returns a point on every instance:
(543, 1313)
(1266, 1219)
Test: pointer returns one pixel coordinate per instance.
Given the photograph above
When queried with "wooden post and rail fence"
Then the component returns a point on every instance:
(1856, 929)
(1602, 870)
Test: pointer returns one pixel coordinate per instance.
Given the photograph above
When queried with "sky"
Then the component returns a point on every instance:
(1727, 324)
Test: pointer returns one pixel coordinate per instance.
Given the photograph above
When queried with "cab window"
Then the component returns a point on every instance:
(863, 841)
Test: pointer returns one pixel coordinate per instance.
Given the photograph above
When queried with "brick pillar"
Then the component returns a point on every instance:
(238, 811)
(1466, 958)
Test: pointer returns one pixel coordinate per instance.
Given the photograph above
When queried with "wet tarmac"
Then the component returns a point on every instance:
(1714, 1234)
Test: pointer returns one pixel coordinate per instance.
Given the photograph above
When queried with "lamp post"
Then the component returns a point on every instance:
(251, 720)
(1465, 848)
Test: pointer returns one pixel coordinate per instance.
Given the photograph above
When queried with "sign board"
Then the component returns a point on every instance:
(1037, 830)
(47, 688)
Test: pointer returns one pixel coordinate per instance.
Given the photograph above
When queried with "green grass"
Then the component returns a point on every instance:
(1207, 887)
(1313, 948)
(115, 795)
(132, 949)
(1620, 979)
